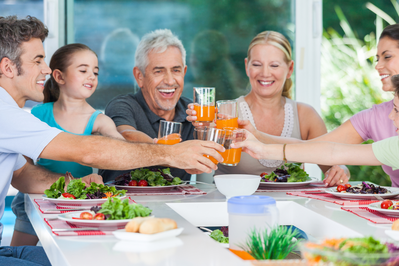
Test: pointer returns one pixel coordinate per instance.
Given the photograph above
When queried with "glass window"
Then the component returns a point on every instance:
(22, 8)
(216, 35)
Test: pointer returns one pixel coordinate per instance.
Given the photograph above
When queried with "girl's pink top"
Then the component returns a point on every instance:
(374, 124)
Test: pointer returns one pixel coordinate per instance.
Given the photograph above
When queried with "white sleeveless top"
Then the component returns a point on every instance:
(249, 165)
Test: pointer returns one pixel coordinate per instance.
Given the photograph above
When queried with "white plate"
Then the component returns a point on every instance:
(376, 206)
(91, 223)
(225, 245)
(288, 184)
(129, 236)
(79, 202)
(149, 189)
(393, 234)
(393, 192)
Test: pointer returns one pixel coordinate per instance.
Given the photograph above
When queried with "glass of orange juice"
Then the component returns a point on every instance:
(169, 133)
(227, 114)
(232, 157)
(211, 134)
(204, 104)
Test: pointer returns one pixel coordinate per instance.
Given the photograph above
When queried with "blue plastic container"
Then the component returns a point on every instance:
(248, 213)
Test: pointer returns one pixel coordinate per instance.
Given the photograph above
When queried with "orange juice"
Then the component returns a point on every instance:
(242, 254)
(222, 123)
(231, 156)
(205, 113)
(169, 139)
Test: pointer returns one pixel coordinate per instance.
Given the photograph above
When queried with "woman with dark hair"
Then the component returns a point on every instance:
(368, 124)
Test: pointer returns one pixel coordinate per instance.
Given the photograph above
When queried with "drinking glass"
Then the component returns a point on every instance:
(169, 133)
(211, 134)
(232, 157)
(204, 104)
(227, 114)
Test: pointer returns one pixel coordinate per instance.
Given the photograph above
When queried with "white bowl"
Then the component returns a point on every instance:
(237, 185)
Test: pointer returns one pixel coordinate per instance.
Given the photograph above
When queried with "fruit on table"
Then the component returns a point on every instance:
(133, 183)
(86, 216)
(68, 195)
(99, 216)
(341, 188)
(386, 204)
(143, 183)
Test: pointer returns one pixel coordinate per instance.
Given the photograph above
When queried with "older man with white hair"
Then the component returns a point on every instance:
(160, 67)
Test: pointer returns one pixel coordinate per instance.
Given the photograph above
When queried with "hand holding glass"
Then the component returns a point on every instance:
(211, 134)
(232, 157)
(169, 133)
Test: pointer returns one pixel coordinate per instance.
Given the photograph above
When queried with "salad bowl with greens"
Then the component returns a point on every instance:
(78, 194)
(364, 251)
(112, 213)
(288, 175)
(144, 179)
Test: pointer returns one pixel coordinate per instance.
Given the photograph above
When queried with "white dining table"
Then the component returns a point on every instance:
(194, 247)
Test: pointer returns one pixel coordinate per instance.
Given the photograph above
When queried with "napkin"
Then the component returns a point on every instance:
(179, 190)
(60, 224)
(330, 198)
(370, 215)
(45, 206)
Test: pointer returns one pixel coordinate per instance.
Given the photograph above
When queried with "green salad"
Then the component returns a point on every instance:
(289, 172)
(77, 189)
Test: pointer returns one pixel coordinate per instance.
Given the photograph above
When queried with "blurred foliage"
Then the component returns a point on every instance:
(350, 83)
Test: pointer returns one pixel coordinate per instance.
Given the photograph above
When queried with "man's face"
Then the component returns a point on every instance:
(30, 82)
(163, 82)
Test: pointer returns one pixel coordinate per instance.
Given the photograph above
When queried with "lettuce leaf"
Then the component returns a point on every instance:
(115, 209)
(76, 187)
(56, 189)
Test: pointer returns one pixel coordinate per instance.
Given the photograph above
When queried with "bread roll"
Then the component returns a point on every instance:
(134, 224)
(395, 225)
(157, 225)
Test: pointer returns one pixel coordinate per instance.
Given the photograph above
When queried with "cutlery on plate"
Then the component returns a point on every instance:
(76, 229)
(206, 229)
(378, 197)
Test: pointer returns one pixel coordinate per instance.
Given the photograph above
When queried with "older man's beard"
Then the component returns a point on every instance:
(167, 107)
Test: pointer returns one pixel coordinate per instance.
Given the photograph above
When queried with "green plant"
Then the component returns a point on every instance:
(272, 244)
(350, 84)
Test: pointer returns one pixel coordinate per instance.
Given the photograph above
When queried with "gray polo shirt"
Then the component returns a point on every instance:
(132, 109)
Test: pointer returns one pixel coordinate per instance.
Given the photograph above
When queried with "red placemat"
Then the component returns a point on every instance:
(45, 206)
(180, 190)
(313, 187)
(370, 215)
(60, 224)
(330, 198)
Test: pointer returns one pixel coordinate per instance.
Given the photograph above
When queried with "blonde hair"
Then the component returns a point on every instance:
(278, 40)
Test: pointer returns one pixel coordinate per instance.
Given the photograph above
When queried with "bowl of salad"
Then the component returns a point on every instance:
(360, 251)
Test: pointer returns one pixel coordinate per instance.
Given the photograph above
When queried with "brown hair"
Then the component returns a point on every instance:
(278, 40)
(13, 32)
(395, 82)
(60, 60)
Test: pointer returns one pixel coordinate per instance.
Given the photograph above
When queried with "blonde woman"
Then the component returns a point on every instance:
(270, 109)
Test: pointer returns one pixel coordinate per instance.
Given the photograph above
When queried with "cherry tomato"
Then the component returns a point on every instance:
(347, 185)
(386, 204)
(143, 183)
(86, 216)
(68, 195)
(133, 183)
(263, 174)
(99, 216)
(341, 188)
